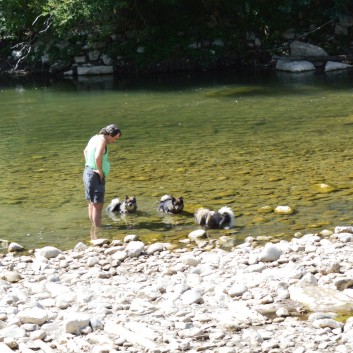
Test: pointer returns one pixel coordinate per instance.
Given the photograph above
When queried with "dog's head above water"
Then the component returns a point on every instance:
(178, 204)
(130, 203)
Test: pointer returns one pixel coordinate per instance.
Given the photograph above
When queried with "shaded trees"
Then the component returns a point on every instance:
(167, 28)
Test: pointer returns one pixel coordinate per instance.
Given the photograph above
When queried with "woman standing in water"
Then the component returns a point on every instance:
(97, 168)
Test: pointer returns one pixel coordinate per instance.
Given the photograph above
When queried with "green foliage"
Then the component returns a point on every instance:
(82, 15)
(166, 28)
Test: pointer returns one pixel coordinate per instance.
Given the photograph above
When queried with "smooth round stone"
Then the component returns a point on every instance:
(227, 241)
(265, 209)
(11, 276)
(260, 220)
(326, 232)
(324, 188)
(237, 290)
(99, 242)
(284, 210)
(270, 253)
(15, 247)
(197, 234)
(130, 237)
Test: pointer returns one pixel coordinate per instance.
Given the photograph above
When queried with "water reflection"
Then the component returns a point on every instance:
(252, 142)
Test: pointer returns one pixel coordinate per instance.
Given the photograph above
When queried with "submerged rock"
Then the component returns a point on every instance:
(284, 210)
(324, 188)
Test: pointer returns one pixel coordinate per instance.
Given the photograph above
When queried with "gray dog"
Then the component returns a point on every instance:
(129, 205)
(170, 204)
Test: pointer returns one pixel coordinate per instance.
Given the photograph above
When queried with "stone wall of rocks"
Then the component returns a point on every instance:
(93, 58)
(307, 57)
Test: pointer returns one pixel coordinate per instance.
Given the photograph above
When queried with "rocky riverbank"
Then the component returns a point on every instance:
(128, 297)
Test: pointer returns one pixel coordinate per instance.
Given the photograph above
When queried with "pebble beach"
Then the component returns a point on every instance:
(126, 296)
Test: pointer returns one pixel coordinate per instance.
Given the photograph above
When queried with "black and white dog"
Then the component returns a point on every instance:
(170, 204)
(129, 205)
(221, 219)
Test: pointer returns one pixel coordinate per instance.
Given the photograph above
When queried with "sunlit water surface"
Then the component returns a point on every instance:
(252, 142)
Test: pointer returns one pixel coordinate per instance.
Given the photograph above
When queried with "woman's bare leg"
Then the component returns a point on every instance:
(95, 213)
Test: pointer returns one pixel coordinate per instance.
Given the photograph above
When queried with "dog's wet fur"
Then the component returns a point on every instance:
(221, 219)
(129, 205)
(171, 204)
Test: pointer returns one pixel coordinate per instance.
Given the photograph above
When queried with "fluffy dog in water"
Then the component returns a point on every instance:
(129, 205)
(221, 219)
(170, 204)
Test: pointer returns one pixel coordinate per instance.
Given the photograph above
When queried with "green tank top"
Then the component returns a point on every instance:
(91, 155)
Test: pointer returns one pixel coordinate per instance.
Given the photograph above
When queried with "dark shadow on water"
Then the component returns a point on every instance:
(247, 83)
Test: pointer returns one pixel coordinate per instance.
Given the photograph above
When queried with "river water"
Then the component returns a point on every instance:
(251, 141)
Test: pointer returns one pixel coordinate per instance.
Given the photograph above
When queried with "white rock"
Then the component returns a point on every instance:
(75, 322)
(134, 248)
(92, 261)
(191, 296)
(142, 330)
(10, 276)
(96, 324)
(99, 242)
(120, 255)
(253, 336)
(33, 316)
(237, 290)
(10, 342)
(344, 229)
(344, 237)
(190, 260)
(80, 247)
(319, 316)
(56, 289)
(13, 331)
(225, 350)
(130, 237)
(156, 247)
(48, 252)
(284, 210)
(103, 348)
(197, 234)
(322, 323)
(317, 298)
(15, 247)
(4, 348)
(63, 301)
(307, 280)
(282, 312)
(270, 253)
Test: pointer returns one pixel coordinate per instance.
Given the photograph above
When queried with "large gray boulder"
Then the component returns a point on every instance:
(334, 66)
(299, 48)
(294, 66)
(95, 70)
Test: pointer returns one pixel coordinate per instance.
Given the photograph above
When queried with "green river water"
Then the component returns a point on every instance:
(252, 142)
